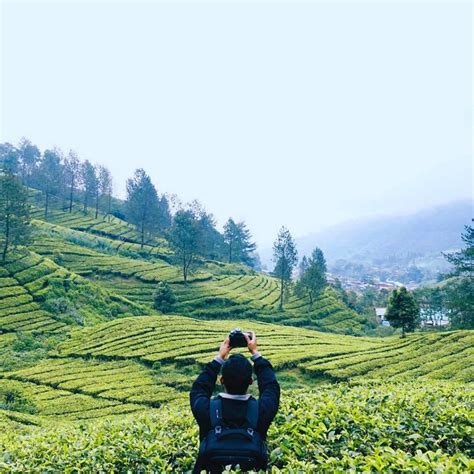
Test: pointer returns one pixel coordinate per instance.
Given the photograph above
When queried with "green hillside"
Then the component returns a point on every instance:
(94, 378)
(96, 249)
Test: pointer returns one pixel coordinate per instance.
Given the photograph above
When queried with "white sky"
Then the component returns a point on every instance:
(297, 113)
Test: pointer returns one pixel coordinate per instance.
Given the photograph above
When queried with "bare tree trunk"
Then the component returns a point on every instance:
(7, 238)
(109, 206)
(142, 234)
(46, 205)
(71, 195)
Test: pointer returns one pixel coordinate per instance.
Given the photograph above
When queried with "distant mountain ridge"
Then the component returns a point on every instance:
(425, 232)
(403, 239)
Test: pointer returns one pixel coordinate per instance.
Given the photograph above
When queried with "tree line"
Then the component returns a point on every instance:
(71, 183)
(59, 175)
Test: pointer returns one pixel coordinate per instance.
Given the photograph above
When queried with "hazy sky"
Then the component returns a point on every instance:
(297, 113)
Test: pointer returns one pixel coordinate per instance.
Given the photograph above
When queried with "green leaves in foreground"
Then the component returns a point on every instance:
(382, 427)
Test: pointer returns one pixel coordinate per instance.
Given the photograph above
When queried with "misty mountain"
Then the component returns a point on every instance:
(425, 232)
(393, 240)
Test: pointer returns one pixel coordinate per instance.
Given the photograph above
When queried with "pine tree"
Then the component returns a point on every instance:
(186, 240)
(285, 257)
(14, 212)
(312, 280)
(460, 289)
(238, 240)
(72, 170)
(29, 155)
(463, 260)
(50, 176)
(9, 158)
(403, 311)
(211, 238)
(164, 215)
(142, 204)
(90, 183)
(105, 188)
(231, 233)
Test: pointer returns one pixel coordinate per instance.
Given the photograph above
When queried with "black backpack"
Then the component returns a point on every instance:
(225, 446)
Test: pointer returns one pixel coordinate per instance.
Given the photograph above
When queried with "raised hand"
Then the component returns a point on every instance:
(251, 342)
(225, 348)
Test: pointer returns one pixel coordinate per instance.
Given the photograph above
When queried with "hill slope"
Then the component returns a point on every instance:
(92, 377)
(216, 290)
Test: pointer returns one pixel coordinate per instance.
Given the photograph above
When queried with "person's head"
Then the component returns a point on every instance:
(236, 374)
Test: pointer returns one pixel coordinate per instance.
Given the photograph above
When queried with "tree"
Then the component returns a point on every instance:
(163, 297)
(72, 170)
(90, 183)
(9, 158)
(459, 296)
(50, 176)
(432, 304)
(14, 212)
(238, 241)
(105, 187)
(463, 260)
(29, 155)
(142, 204)
(403, 311)
(312, 280)
(231, 234)
(186, 240)
(164, 214)
(460, 288)
(212, 240)
(285, 257)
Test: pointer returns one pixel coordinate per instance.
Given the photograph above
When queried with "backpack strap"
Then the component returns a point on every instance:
(252, 413)
(216, 412)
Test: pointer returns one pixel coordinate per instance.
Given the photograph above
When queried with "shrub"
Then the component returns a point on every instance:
(163, 297)
(25, 343)
(13, 400)
(58, 257)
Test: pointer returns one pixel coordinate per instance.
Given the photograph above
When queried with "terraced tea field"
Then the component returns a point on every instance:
(20, 281)
(174, 339)
(106, 226)
(85, 238)
(138, 364)
(208, 296)
(96, 379)
(32, 292)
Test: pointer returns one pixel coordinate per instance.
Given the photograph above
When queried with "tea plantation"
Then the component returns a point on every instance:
(94, 379)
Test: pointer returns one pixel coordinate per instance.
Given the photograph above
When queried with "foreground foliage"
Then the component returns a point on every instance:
(381, 427)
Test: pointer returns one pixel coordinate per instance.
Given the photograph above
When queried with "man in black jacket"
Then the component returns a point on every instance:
(236, 378)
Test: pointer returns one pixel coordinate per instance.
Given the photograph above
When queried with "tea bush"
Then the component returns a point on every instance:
(366, 428)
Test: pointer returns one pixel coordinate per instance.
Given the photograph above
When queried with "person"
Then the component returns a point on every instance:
(235, 400)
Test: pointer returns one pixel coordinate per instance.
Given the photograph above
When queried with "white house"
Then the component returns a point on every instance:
(380, 314)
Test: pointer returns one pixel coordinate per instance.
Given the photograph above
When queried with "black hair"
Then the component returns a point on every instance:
(237, 374)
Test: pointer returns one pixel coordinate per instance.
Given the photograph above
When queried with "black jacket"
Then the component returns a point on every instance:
(234, 411)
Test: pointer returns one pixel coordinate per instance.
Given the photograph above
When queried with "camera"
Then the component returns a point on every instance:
(237, 338)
